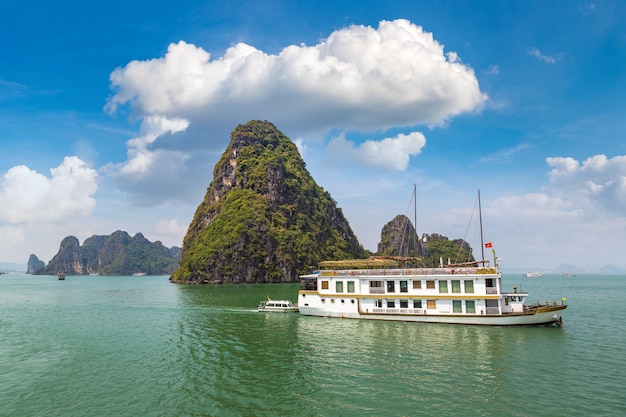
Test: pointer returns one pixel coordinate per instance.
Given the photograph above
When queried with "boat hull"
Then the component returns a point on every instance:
(542, 315)
(278, 310)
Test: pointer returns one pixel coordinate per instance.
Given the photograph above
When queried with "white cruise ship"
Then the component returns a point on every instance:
(395, 288)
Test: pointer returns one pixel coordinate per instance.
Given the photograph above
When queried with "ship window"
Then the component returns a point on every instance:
(469, 307)
(417, 303)
(430, 285)
(404, 287)
(339, 286)
(376, 284)
(379, 303)
(391, 286)
(350, 286)
(391, 303)
(431, 304)
(443, 286)
(456, 286)
(404, 303)
(417, 285)
(469, 287)
(324, 285)
(456, 306)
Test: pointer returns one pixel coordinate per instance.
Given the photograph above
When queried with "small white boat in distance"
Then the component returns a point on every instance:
(279, 306)
(532, 274)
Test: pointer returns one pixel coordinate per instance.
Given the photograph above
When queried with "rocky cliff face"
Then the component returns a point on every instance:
(263, 218)
(115, 254)
(399, 238)
(34, 264)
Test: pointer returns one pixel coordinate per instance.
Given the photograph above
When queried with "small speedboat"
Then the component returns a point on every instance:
(279, 306)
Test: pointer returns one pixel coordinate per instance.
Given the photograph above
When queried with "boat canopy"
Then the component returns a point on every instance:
(375, 262)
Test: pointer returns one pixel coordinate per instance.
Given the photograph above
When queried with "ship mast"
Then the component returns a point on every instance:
(480, 216)
(416, 236)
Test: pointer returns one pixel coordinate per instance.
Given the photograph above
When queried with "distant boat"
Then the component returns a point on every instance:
(139, 274)
(278, 306)
(568, 274)
(532, 274)
(61, 275)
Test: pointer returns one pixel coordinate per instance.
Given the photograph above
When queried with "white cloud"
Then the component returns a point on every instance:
(534, 52)
(504, 156)
(10, 236)
(27, 196)
(492, 70)
(140, 157)
(541, 229)
(171, 229)
(597, 179)
(389, 153)
(358, 79)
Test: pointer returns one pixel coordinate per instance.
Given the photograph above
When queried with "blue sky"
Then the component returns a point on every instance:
(112, 116)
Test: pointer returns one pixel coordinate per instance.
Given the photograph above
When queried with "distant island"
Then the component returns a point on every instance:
(114, 254)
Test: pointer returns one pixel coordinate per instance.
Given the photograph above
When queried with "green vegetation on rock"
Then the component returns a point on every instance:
(440, 247)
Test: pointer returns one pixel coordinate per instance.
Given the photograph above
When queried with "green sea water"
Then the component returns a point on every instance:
(141, 346)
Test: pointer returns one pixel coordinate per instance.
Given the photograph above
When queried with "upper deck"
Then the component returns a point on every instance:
(398, 267)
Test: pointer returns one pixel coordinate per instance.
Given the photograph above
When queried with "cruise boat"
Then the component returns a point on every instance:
(281, 306)
(532, 274)
(402, 289)
(390, 288)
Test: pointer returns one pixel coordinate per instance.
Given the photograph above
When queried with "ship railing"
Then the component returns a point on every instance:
(409, 271)
(377, 290)
(492, 290)
(492, 311)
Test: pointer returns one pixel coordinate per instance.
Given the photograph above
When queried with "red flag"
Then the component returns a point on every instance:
(488, 245)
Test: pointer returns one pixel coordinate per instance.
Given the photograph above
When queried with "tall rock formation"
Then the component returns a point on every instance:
(34, 264)
(399, 238)
(263, 218)
(69, 259)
